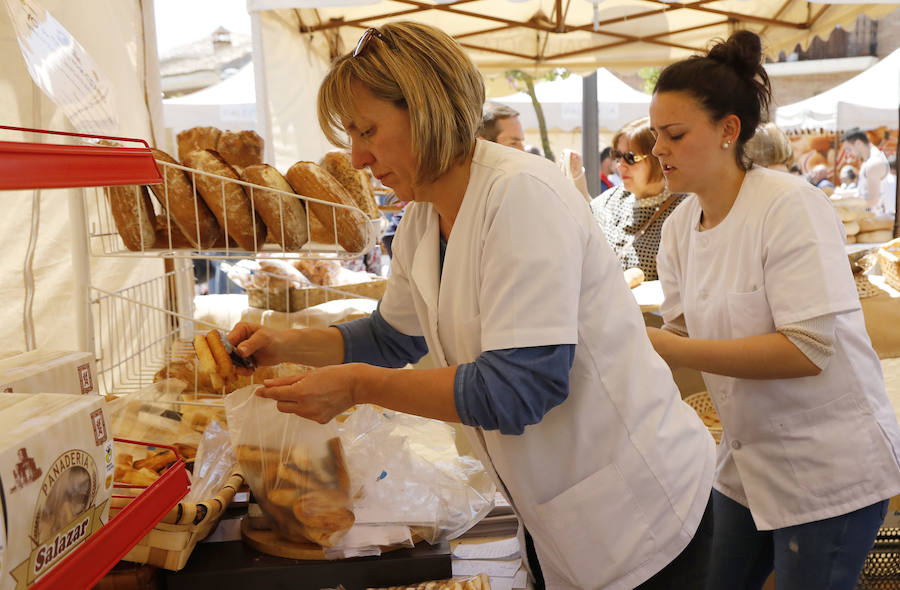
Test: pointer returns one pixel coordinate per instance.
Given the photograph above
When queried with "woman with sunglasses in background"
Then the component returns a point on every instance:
(631, 215)
(760, 297)
(497, 274)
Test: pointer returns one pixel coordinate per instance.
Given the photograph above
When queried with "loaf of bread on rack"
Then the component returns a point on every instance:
(357, 183)
(240, 148)
(227, 200)
(185, 209)
(133, 214)
(284, 216)
(349, 225)
(197, 138)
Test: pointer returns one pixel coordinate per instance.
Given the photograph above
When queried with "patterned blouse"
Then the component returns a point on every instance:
(620, 215)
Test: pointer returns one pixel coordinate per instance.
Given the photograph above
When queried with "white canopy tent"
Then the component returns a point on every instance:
(618, 103)
(868, 100)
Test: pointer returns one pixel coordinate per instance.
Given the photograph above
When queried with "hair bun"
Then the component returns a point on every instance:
(742, 51)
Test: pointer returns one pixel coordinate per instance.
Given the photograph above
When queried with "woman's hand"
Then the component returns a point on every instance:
(266, 345)
(318, 395)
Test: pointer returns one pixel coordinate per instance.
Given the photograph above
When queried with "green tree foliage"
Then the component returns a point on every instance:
(524, 82)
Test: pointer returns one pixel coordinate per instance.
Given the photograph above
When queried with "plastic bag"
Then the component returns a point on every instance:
(295, 468)
(406, 469)
(213, 464)
(479, 582)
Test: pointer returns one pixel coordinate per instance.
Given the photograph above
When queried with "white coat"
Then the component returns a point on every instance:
(794, 450)
(613, 482)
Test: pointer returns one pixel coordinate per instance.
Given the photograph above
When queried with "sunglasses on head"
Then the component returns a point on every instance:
(366, 37)
(629, 157)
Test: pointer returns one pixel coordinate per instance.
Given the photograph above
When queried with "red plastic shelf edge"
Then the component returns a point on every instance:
(42, 165)
(90, 561)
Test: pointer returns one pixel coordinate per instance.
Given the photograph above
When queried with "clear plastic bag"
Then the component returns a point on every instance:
(295, 468)
(213, 464)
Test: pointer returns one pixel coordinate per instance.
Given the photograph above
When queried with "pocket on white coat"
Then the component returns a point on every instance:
(830, 448)
(598, 528)
(749, 313)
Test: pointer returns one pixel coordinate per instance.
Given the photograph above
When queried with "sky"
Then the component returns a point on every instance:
(182, 21)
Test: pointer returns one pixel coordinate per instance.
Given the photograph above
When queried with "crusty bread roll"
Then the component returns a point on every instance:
(197, 138)
(227, 200)
(132, 211)
(357, 183)
(284, 216)
(634, 276)
(188, 212)
(311, 180)
(875, 237)
(168, 236)
(851, 228)
(875, 222)
(240, 148)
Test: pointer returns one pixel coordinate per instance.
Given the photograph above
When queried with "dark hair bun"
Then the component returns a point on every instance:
(742, 51)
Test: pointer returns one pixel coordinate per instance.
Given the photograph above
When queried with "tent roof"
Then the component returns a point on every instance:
(609, 89)
(537, 35)
(868, 100)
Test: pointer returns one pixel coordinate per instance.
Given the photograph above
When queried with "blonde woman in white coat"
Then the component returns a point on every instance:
(501, 275)
(759, 296)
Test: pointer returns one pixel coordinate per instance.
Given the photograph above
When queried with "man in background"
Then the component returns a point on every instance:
(500, 124)
(872, 170)
(608, 176)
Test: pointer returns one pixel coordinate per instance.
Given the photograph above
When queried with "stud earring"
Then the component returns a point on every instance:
(725, 145)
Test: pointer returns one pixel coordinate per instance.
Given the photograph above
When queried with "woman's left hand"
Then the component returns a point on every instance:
(318, 395)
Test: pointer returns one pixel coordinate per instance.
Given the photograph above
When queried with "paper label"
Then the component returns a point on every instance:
(61, 67)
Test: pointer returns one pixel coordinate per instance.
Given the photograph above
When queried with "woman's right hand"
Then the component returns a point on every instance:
(265, 345)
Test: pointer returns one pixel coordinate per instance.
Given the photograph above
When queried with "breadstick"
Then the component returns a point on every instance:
(224, 366)
(207, 362)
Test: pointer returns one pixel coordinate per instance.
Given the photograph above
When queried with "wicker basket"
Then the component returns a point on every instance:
(704, 407)
(289, 300)
(889, 259)
(172, 540)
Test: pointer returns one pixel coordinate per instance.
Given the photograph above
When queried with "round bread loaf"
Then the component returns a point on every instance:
(851, 228)
(132, 211)
(311, 180)
(357, 183)
(227, 200)
(875, 222)
(284, 216)
(875, 237)
(168, 236)
(240, 148)
(197, 138)
(188, 212)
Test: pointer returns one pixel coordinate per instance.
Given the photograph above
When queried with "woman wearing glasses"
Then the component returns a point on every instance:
(499, 274)
(759, 296)
(631, 215)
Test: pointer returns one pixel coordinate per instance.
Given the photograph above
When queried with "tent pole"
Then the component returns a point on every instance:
(263, 121)
(589, 129)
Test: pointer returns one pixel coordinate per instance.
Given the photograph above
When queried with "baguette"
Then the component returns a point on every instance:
(357, 183)
(311, 180)
(189, 213)
(197, 138)
(227, 200)
(132, 211)
(240, 148)
(284, 216)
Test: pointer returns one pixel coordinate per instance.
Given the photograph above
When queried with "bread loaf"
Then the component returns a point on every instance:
(311, 180)
(357, 183)
(168, 236)
(132, 211)
(851, 228)
(188, 212)
(197, 138)
(875, 237)
(284, 216)
(227, 200)
(874, 222)
(240, 148)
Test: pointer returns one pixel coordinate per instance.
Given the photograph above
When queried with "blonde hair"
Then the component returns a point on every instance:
(640, 141)
(769, 146)
(419, 68)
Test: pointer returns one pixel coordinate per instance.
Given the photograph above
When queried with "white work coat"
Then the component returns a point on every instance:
(794, 450)
(613, 482)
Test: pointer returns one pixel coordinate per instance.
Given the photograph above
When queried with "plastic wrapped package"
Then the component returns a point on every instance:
(213, 464)
(295, 468)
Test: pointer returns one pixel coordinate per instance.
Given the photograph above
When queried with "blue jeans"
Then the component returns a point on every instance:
(825, 554)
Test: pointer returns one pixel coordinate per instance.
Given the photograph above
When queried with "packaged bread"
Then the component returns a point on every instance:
(357, 182)
(240, 148)
(195, 139)
(348, 224)
(183, 207)
(55, 490)
(284, 216)
(133, 214)
(41, 370)
(227, 200)
(319, 272)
